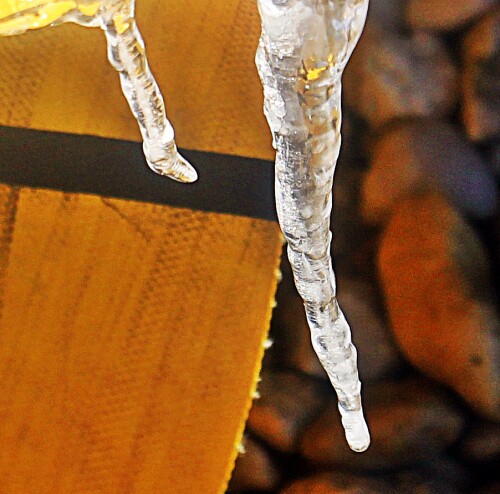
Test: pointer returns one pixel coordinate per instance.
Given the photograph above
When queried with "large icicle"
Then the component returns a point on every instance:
(304, 47)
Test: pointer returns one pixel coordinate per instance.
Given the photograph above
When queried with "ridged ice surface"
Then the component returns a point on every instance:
(304, 47)
(126, 54)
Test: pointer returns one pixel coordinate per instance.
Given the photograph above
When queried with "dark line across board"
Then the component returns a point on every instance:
(116, 168)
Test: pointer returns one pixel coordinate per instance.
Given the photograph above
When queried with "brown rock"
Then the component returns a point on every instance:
(482, 443)
(335, 483)
(392, 76)
(254, 469)
(444, 15)
(287, 405)
(481, 79)
(418, 155)
(435, 276)
(408, 420)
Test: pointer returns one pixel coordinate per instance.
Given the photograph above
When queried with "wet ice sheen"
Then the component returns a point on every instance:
(303, 50)
(126, 54)
(304, 47)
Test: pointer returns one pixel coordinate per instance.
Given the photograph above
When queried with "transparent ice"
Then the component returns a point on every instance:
(304, 47)
(126, 54)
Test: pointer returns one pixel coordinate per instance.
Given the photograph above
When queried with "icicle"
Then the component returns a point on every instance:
(304, 47)
(126, 54)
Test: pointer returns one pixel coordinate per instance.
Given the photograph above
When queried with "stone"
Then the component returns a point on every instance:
(339, 483)
(392, 76)
(444, 15)
(288, 403)
(480, 79)
(254, 469)
(416, 155)
(409, 421)
(435, 277)
(482, 443)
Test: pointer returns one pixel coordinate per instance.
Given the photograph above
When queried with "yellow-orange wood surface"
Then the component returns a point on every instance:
(131, 334)
(201, 52)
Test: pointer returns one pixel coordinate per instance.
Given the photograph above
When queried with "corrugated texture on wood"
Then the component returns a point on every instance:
(130, 338)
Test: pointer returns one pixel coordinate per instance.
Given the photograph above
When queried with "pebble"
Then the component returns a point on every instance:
(409, 421)
(339, 483)
(254, 469)
(391, 76)
(481, 79)
(287, 405)
(444, 15)
(419, 154)
(434, 273)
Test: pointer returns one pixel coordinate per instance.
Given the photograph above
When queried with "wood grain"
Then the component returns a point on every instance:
(130, 338)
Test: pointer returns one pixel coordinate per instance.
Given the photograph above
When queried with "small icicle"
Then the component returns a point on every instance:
(303, 50)
(127, 55)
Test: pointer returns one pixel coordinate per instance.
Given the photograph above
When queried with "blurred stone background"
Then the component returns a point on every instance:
(417, 252)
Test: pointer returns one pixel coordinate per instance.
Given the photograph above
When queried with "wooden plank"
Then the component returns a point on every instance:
(130, 341)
